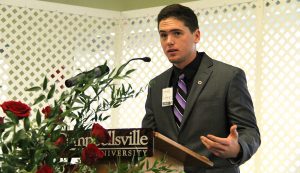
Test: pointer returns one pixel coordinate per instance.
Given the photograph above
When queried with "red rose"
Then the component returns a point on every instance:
(45, 169)
(20, 109)
(100, 133)
(61, 140)
(48, 110)
(91, 154)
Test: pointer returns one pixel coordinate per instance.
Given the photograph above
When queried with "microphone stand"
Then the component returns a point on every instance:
(121, 68)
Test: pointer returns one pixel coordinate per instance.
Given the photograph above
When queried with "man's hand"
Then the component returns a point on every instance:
(223, 147)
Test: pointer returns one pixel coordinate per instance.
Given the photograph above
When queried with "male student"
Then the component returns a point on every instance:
(200, 102)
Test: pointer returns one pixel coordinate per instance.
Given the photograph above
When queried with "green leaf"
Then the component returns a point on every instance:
(26, 123)
(69, 111)
(50, 146)
(34, 137)
(38, 155)
(6, 125)
(105, 117)
(6, 134)
(8, 168)
(111, 74)
(36, 88)
(87, 85)
(113, 92)
(121, 68)
(116, 105)
(45, 83)
(4, 149)
(9, 145)
(64, 95)
(42, 129)
(78, 100)
(38, 118)
(129, 72)
(51, 92)
(39, 99)
(20, 135)
(55, 134)
(139, 92)
(72, 115)
(12, 117)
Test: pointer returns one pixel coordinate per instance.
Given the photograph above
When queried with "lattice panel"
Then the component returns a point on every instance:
(38, 47)
(53, 44)
(280, 88)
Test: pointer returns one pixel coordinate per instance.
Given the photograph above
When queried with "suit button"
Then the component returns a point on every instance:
(199, 82)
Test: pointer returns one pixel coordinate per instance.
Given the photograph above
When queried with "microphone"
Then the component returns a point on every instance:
(145, 59)
(92, 74)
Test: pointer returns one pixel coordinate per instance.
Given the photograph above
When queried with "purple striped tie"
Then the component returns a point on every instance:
(180, 100)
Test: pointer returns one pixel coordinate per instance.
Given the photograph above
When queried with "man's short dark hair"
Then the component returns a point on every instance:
(179, 12)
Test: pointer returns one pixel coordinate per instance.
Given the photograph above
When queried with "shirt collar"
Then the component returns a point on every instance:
(191, 69)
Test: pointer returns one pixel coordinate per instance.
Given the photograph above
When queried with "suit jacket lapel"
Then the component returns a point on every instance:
(199, 82)
(168, 111)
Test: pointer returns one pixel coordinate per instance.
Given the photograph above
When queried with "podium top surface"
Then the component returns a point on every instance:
(179, 152)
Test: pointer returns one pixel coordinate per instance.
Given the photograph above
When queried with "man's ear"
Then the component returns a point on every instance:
(196, 36)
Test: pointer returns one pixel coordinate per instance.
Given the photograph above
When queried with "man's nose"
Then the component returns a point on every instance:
(170, 40)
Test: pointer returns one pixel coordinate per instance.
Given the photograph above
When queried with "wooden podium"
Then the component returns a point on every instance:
(175, 155)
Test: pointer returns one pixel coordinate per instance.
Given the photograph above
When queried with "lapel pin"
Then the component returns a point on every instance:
(199, 82)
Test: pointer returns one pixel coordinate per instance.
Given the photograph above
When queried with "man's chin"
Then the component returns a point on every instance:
(174, 61)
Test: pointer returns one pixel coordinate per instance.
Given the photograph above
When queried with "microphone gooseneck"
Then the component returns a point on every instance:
(97, 72)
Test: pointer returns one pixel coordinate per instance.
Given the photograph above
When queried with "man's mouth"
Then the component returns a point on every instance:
(172, 50)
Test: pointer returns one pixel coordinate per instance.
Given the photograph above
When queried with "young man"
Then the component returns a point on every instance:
(200, 103)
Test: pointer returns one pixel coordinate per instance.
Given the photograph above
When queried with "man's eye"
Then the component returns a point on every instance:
(163, 35)
(177, 33)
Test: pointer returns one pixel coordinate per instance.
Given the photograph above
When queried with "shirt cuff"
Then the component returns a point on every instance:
(239, 157)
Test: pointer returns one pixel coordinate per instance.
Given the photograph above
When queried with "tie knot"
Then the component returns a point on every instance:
(181, 77)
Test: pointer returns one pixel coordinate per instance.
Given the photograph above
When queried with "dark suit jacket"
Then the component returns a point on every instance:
(219, 98)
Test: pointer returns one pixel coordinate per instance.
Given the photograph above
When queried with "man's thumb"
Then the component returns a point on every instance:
(233, 131)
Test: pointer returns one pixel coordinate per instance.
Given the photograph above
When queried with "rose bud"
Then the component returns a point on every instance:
(91, 154)
(60, 141)
(45, 169)
(100, 133)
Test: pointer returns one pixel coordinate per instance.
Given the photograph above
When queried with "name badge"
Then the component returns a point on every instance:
(167, 97)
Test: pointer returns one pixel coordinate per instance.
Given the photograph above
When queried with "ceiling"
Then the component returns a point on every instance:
(119, 5)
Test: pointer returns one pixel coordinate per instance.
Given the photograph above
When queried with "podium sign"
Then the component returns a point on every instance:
(124, 143)
(128, 143)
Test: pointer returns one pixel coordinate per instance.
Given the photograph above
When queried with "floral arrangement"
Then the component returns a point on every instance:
(40, 140)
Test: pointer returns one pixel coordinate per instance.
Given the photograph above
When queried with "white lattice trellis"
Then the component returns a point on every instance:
(50, 43)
